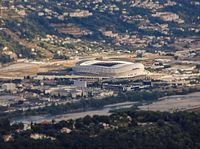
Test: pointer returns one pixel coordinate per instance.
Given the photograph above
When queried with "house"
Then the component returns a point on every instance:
(9, 87)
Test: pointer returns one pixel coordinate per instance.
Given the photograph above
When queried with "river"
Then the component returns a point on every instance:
(104, 111)
(164, 104)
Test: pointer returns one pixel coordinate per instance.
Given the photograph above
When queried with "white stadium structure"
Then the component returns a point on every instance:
(118, 69)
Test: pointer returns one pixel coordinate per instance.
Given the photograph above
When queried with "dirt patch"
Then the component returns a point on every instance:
(21, 69)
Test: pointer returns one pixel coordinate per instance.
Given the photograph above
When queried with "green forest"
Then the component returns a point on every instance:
(122, 130)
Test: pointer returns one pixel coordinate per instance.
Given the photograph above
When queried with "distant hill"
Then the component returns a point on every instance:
(36, 29)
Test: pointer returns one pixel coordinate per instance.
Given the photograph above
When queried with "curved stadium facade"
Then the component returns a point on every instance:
(109, 68)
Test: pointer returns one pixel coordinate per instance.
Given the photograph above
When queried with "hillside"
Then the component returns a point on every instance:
(125, 130)
(60, 28)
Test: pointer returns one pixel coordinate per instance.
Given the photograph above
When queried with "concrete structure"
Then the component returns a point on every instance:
(79, 83)
(7, 100)
(116, 69)
(66, 91)
(9, 87)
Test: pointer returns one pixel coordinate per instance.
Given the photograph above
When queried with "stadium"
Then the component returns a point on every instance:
(109, 68)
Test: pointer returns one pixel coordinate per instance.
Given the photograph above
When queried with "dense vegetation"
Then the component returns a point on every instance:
(4, 58)
(124, 130)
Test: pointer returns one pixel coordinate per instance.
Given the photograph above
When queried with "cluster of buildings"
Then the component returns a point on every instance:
(72, 46)
(99, 79)
(168, 16)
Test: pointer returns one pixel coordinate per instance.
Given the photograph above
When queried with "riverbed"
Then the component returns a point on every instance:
(104, 111)
(164, 104)
(174, 103)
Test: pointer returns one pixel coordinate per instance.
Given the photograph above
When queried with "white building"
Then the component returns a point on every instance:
(116, 69)
(79, 83)
(9, 86)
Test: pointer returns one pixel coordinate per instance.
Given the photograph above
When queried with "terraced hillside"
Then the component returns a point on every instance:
(61, 28)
